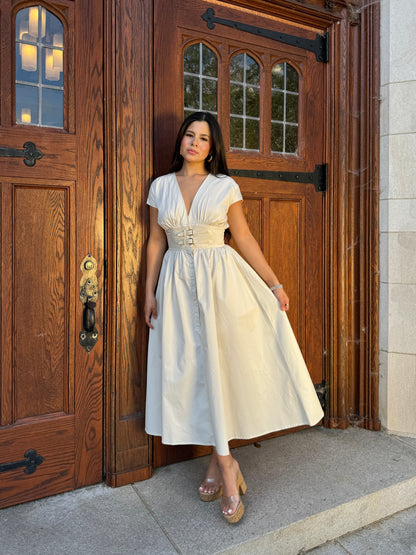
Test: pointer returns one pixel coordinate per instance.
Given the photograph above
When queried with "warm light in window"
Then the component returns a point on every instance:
(58, 55)
(26, 115)
(34, 21)
(29, 57)
(52, 73)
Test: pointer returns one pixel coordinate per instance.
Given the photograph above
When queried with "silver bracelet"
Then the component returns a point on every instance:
(274, 287)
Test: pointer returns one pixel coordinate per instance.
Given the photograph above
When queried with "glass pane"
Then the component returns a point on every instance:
(237, 68)
(187, 113)
(292, 79)
(209, 95)
(292, 108)
(52, 31)
(236, 132)
(27, 24)
(191, 59)
(52, 65)
(277, 137)
(39, 60)
(27, 63)
(252, 134)
(278, 77)
(252, 101)
(237, 99)
(291, 144)
(27, 104)
(52, 107)
(191, 92)
(277, 105)
(252, 71)
(209, 62)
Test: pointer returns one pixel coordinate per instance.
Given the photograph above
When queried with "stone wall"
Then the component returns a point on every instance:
(398, 217)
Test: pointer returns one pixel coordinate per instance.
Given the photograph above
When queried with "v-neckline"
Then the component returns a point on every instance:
(195, 195)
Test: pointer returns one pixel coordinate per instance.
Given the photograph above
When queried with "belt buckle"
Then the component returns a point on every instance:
(188, 241)
(189, 231)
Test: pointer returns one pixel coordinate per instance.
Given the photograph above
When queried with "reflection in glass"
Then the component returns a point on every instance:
(292, 108)
(236, 132)
(27, 63)
(191, 59)
(209, 95)
(27, 105)
(39, 68)
(209, 62)
(277, 137)
(252, 101)
(244, 102)
(291, 144)
(278, 105)
(54, 100)
(237, 99)
(285, 109)
(200, 79)
(252, 134)
(292, 79)
(278, 76)
(191, 92)
(237, 68)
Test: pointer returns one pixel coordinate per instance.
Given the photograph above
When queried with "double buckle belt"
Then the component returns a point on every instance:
(198, 236)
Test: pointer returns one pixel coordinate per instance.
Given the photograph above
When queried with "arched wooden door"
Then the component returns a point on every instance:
(264, 78)
(52, 216)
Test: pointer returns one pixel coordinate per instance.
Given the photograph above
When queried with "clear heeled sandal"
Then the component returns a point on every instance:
(211, 483)
(235, 506)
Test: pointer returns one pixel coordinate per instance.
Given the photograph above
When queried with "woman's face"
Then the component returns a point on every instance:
(196, 143)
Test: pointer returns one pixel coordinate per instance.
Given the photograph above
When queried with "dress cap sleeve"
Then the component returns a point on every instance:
(235, 193)
(151, 199)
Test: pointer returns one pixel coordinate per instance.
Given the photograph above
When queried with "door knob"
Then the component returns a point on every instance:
(88, 295)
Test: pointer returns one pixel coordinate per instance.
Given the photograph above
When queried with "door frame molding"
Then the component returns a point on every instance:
(351, 227)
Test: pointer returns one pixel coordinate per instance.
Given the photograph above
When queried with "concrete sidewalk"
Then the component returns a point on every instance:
(304, 489)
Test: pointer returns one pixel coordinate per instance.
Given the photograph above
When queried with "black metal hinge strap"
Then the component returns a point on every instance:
(31, 461)
(319, 46)
(30, 153)
(319, 177)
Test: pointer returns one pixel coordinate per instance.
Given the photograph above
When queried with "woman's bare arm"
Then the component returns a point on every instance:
(156, 247)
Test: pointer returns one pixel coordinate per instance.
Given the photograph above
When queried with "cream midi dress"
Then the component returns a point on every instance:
(223, 361)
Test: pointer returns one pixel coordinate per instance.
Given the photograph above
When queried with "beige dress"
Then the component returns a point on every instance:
(223, 361)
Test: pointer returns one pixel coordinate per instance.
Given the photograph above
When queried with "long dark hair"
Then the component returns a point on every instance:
(217, 163)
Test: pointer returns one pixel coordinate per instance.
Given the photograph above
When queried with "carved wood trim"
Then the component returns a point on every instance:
(352, 224)
(129, 121)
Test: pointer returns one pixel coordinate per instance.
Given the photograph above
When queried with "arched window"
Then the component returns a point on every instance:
(285, 113)
(39, 68)
(244, 102)
(200, 79)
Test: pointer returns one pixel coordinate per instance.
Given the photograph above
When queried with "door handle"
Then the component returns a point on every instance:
(88, 295)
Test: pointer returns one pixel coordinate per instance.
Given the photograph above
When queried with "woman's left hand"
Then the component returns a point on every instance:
(283, 299)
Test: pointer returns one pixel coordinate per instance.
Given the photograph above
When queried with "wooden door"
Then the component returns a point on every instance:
(51, 218)
(269, 97)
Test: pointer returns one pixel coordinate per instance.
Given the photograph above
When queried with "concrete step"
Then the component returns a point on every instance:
(304, 489)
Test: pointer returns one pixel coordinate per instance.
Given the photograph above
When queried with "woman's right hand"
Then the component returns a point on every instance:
(150, 310)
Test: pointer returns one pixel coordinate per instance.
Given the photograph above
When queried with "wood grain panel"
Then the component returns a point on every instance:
(130, 117)
(52, 439)
(253, 210)
(40, 334)
(287, 249)
(90, 234)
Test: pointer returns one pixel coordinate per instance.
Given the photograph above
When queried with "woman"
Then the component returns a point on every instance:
(223, 362)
